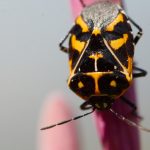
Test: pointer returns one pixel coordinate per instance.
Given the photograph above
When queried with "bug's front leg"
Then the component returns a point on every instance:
(73, 30)
(140, 32)
(63, 48)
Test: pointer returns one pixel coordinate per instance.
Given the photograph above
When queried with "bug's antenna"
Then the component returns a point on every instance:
(66, 121)
(129, 122)
(82, 3)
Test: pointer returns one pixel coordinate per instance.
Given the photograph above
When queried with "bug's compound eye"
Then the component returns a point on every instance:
(82, 85)
(113, 84)
(90, 24)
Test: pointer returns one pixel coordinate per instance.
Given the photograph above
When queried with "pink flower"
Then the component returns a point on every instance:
(56, 109)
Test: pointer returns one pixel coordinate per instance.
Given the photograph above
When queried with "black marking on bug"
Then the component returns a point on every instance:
(88, 85)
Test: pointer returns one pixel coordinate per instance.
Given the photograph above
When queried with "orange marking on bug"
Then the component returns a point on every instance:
(113, 83)
(70, 65)
(77, 45)
(112, 25)
(129, 69)
(82, 24)
(80, 85)
(96, 31)
(96, 56)
(116, 44)
(95, 76)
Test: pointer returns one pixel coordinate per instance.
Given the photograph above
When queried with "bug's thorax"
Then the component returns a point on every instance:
(101, 102)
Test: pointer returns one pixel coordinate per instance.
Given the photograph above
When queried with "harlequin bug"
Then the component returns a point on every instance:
(101, 50)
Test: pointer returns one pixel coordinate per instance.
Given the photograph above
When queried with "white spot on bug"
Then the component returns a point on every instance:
(96, 69)
(131, 32)
(121, 9)
(123, 12)
(79, 69)
(115, 67)
(128, 21)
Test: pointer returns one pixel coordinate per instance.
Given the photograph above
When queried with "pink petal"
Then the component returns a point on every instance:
(76, 6)
(55, 109)
(113, 133)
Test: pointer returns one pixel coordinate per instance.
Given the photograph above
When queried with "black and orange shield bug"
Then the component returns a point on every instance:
(101, 50)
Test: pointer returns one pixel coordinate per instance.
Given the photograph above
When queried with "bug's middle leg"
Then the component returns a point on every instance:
(140, 73)
(132, 106)
(63, 48)
(140, 31)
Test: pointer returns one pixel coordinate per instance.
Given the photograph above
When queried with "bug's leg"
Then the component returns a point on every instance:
(82, 3)
(132, 105)
(74, 30)
(63, 48)
(140, 72)
(140, 32)
(129, 103)
(86, 105)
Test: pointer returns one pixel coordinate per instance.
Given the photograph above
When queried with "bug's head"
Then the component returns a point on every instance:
(98, 102)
